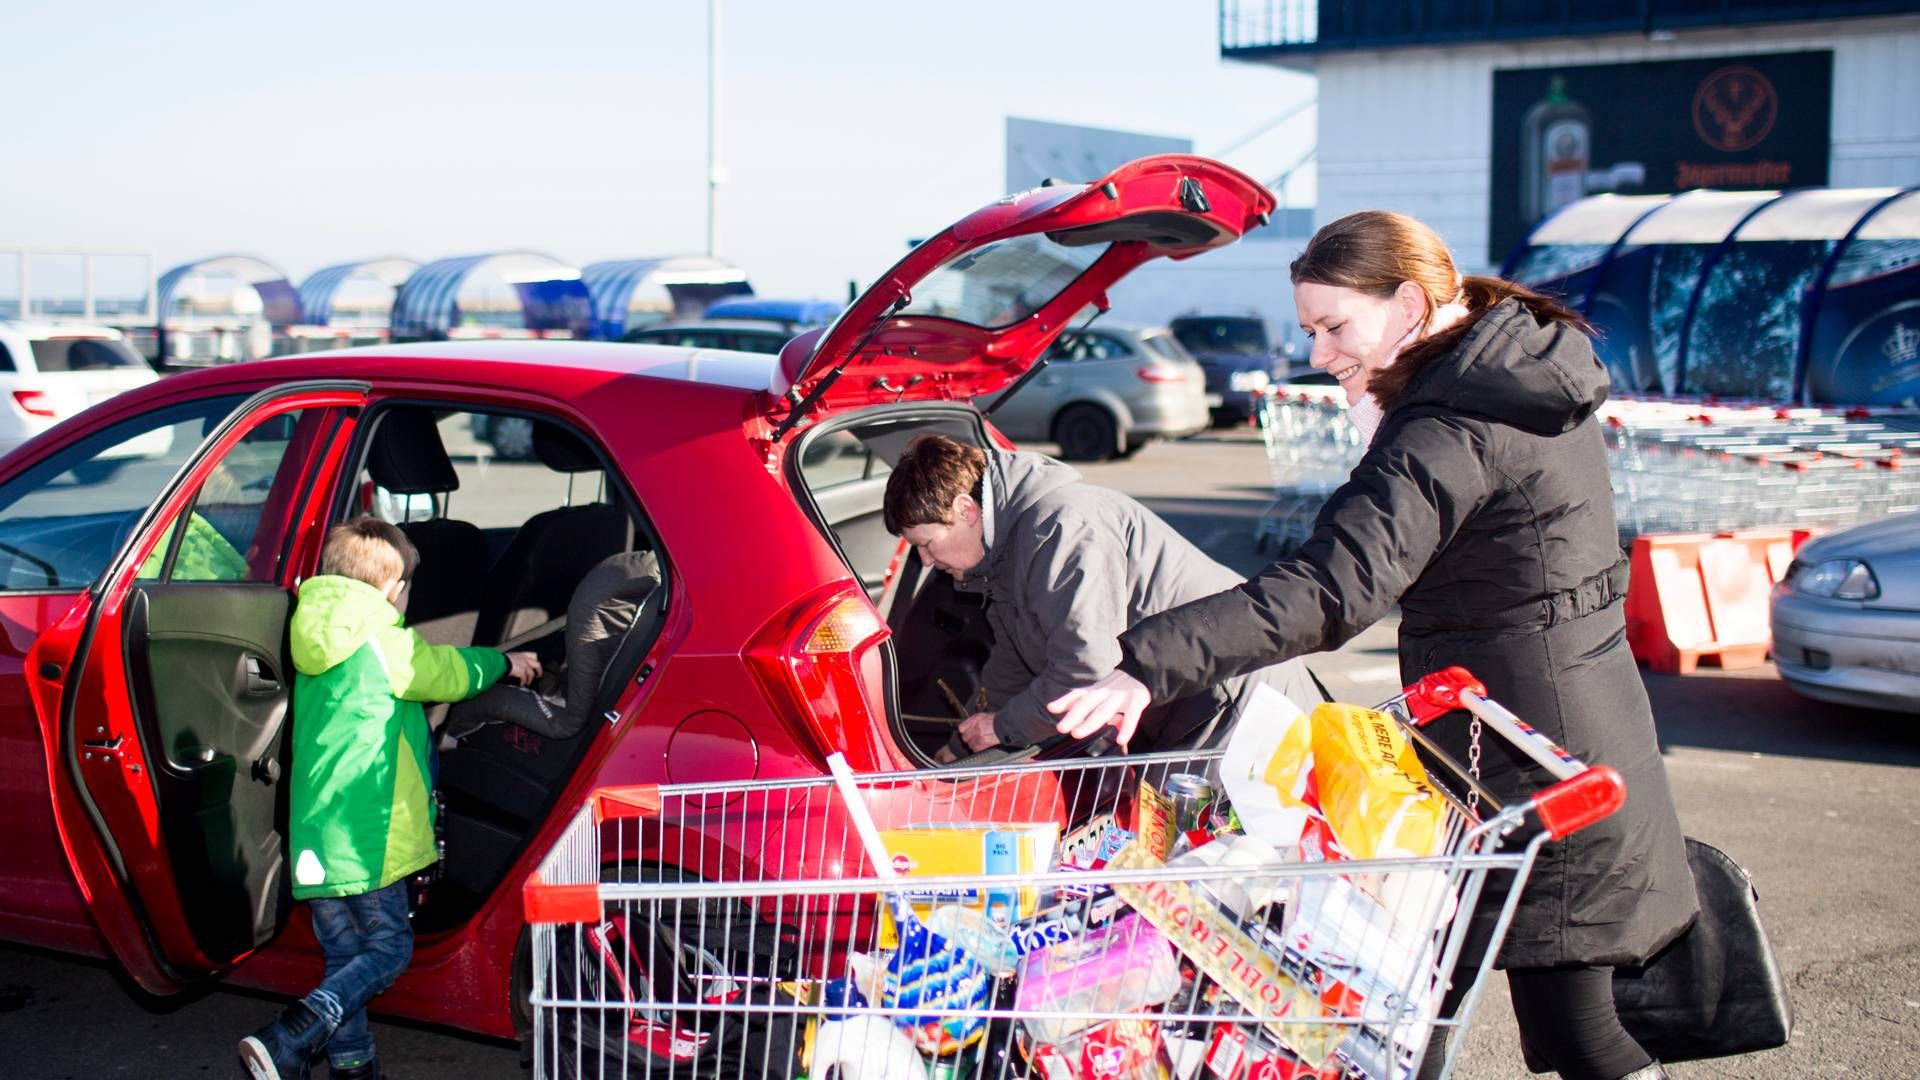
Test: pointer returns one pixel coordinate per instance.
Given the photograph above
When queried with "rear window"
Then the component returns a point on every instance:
(1164, 346)
(83, 354)
(1003, 282)
(1242, 337)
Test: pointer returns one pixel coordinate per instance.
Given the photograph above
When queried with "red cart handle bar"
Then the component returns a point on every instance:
(1584, 795)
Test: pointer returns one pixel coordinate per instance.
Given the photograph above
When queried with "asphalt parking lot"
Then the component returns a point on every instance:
(1818, 801)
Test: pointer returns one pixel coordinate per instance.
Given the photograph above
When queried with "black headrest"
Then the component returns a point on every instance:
(408, 457)
(563, 451)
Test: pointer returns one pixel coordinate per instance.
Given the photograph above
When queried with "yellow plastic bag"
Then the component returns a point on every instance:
(1372, 787)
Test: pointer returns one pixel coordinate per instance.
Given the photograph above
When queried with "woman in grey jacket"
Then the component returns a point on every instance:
(1483, 508)
(1064, 567)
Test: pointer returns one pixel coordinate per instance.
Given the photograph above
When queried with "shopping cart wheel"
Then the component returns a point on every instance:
(652, 954)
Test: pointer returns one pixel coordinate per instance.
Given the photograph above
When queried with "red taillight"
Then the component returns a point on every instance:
(34, 403)
(1158, 373)
(817, 661)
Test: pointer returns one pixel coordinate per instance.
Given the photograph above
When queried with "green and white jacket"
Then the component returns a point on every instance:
(361, 816)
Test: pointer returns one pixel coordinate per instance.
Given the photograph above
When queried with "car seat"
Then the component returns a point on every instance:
(519, 745)
(535, 577)
(407, 458)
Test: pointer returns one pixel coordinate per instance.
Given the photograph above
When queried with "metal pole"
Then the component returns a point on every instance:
(26, 304)
(86, 287)
(713, 122)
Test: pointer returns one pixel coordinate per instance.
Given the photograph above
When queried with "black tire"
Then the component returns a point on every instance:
(1086, 433)
(1134, 446)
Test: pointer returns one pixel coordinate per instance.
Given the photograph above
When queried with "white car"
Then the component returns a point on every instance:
(50, 371)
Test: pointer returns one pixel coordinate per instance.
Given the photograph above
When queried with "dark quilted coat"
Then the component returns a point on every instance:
(1483, 509)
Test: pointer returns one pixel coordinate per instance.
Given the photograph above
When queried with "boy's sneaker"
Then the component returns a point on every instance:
(366, 1070)
(286, 1048)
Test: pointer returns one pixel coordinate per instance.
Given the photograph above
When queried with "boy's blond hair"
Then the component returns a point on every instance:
(370, 550)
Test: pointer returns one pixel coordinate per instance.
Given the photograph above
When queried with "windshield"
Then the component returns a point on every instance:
(1001, 283)
(83, 354)
(1238, 337)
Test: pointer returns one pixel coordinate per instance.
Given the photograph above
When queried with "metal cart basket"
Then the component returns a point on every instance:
(791, 928)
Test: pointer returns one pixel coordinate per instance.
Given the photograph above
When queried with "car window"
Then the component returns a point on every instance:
(223, 521)
(84, 354)
(748, 341)
(62, 519)
(6, 358)
(1001, 283)
(836, 458)
(1087, 346)
(495, 492)
(1164, 346)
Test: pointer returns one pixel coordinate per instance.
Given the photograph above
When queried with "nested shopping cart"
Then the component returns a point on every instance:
(736, 930)
(1311, 449)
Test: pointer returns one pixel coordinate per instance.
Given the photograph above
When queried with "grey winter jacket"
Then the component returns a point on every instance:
(1484, 509)
(1069, 566)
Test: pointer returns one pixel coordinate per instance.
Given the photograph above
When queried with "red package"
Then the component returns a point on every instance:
(1121, 1050)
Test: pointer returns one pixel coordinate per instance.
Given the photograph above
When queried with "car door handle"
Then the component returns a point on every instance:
(258, 683)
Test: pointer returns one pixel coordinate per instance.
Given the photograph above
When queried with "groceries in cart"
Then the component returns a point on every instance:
(1284, 907)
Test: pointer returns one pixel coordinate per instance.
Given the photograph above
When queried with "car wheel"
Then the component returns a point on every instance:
(1086, 433)
(512, 437)
(656, 954)
(1134, 446)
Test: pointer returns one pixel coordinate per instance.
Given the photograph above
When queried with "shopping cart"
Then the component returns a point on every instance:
(1311, 449)
(673, 936)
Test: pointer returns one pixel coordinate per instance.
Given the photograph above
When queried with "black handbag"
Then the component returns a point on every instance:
(1716, 991)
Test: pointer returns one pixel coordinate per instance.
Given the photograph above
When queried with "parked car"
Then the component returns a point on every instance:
(143, 707)
(743, 324)
(1107, 391)
(51, 371)
(1846, 617)
(1234, 353)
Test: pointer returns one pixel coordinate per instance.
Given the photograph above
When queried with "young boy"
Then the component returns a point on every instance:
(361, 821)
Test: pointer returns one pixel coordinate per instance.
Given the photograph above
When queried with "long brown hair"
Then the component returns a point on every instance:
(1373, 251)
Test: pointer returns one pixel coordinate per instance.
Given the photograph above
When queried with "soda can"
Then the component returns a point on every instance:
(1190, 795)
(956, 1067)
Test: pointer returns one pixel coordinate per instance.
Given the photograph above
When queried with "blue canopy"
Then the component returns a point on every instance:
(279, 304)
(317, 291)
(690, 281)
(1802, 295)
(550, 293)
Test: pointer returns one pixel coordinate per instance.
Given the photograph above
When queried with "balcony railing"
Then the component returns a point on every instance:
(1252, 28)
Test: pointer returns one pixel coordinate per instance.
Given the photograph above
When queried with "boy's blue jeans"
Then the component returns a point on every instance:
(367, 941)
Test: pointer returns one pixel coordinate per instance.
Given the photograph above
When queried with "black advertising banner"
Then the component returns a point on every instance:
(1732, 122)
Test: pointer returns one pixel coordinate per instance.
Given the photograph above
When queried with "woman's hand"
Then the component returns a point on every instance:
(1118, 699)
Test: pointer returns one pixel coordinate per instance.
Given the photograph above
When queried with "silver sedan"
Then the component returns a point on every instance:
(1846, 618)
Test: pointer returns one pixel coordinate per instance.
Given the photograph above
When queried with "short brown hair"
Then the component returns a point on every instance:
(370, 550)
(932, 472)
(1373, 251)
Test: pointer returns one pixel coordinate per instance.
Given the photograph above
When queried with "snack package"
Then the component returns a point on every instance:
(1119, 967)
(1239, 964)
(1371, 785)
(1267, 773)
(929, 972)
(970, 850)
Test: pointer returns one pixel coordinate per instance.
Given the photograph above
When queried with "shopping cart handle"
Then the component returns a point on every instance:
(1439, 694)
(1572, 805)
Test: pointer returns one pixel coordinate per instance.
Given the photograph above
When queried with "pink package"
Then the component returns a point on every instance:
(1120, 967)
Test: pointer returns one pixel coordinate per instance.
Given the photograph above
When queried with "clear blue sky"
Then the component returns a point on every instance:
(314, 133)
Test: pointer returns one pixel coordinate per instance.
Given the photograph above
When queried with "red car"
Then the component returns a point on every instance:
(149, 549)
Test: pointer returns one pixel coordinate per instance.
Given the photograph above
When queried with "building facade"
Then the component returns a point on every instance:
(1482, 117)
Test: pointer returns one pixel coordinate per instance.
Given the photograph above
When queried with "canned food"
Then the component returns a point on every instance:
(1190, 795)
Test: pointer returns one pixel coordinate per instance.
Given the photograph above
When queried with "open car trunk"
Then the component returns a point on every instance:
(940, 638)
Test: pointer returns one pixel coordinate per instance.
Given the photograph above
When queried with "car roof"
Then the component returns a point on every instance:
(756, 325)
(714, 367)
(765, 309)
(40, 330)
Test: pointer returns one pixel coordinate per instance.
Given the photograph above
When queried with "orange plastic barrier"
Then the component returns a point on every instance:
(1696, 596)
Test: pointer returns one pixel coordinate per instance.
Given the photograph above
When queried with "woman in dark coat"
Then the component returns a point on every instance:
(1483, 508)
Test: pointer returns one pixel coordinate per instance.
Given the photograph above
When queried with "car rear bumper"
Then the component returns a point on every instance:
(1848, 656)
(1170, 417)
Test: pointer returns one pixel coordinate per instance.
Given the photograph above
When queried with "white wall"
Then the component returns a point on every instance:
(1411, 129)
